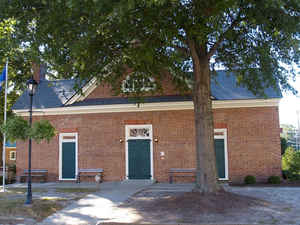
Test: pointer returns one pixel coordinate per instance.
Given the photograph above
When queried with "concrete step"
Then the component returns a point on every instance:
(138, 181)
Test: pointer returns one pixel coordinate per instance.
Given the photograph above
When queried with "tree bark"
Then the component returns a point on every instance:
(206, 174)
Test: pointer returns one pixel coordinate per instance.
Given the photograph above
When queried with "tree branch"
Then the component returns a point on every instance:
(222, 36)
(183, 50)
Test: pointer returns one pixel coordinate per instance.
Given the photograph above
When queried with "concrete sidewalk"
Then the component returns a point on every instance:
(99, 206)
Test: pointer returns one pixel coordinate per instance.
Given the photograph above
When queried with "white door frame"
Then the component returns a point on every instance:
(61, 141)
(127, 137)
(224, 136)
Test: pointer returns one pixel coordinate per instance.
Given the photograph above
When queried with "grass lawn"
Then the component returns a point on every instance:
(40, 209)
(45, 202)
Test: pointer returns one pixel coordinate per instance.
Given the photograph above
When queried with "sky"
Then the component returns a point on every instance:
(289, 105)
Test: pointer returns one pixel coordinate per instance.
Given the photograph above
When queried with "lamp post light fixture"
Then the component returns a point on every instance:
(31, 87)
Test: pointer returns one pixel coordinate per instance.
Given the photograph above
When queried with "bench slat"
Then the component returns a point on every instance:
(36, 171)
(90, 170)
(175, 170)
(33, 175)
(81, 173)
(181, 172)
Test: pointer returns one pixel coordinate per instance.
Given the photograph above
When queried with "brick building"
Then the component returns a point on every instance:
(10, 153)
(129, 141)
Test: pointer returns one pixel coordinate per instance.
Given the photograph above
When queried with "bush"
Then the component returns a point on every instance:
(250, 179)
(291, 160)
(291, 163)
(286, 174)
(274, 180)
(294, 177)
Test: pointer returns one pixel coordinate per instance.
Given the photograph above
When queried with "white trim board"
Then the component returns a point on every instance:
(160, 106)
(127, 137)
(86, 90)
(61, 140)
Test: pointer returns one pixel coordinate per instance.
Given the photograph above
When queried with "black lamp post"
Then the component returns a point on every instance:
(31, 87)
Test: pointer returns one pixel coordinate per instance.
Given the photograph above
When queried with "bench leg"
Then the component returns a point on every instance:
(171, 179)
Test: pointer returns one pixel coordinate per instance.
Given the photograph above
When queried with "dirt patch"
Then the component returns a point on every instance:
(191, 207)
(192, 202)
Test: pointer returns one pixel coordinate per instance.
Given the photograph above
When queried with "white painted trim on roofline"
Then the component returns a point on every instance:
(86, 90)
(127, 137)
(158, 106)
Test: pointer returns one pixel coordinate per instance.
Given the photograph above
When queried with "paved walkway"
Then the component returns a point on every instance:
(99, 206)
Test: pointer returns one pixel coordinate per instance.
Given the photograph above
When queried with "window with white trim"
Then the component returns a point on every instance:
(12, 155)
(135, 82)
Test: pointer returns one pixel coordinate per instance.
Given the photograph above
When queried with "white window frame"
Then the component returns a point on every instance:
(127, 137)
(10, 155)
(61, 141)
(224, 137)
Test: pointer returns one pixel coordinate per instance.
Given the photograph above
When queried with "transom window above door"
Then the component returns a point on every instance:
(139, 132)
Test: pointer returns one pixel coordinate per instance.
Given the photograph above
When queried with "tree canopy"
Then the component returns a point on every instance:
(106, 38)
(93, 38)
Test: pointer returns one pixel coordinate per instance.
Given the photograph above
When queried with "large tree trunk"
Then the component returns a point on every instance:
(206, 174)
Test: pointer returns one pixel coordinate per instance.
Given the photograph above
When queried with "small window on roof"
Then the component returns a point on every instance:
(136, 82)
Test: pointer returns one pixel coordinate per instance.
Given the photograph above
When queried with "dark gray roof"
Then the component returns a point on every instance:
(49, 94)
(225, 87)
(52, 94)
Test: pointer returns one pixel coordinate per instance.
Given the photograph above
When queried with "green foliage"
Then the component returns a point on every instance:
(274, 180)
(291, 163)
(283, 144)
(286, 174)
(289, 160)
(249, 179)
(16, 128)
(42, 130)
(84, 39)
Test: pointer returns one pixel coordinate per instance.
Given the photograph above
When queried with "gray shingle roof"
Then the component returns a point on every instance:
(51, 94)
(226, 88)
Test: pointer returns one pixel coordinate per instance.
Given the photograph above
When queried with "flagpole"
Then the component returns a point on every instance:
(4, 136)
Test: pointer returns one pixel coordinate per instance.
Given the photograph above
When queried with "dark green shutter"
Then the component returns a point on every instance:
(220, 157)
(68, 160)
(139, 159)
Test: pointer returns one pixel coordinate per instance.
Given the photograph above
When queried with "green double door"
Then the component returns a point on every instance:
(139, 161)
(68, 160)
(220, 157)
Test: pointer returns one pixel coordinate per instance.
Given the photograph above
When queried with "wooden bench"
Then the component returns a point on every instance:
(181, 172)
(89, 173)
(35, 173)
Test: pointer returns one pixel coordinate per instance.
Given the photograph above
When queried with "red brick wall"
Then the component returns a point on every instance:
(253, 142)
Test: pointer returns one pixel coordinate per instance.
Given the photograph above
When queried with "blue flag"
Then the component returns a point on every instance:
(2, 77)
